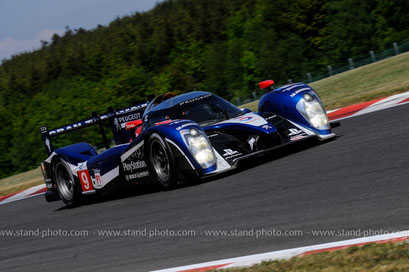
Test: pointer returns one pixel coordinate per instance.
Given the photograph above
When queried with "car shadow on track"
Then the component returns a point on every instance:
(120, 193)
(273, 155)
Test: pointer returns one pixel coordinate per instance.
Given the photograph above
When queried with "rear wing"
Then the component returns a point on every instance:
(117, 120)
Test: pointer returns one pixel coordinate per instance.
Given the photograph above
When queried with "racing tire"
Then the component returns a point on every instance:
(68, 187)
(162, 163)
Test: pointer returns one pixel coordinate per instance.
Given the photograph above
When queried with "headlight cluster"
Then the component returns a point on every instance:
(200, 148)
(314, 112)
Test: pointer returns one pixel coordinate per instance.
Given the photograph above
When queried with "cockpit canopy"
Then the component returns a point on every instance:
(201, 107)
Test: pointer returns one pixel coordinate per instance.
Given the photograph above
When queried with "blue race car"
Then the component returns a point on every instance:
(173, 139)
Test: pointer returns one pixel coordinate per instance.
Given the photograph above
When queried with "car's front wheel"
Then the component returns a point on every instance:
(162, 163)
(67, 187)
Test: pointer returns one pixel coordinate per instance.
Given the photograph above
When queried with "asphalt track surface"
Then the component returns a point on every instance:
(358, 181)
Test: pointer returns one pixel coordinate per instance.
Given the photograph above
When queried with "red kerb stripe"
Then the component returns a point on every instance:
(393, 240)
(406, 100)
(350, 110)
(5, 197)
(204, 269)
(42, 190)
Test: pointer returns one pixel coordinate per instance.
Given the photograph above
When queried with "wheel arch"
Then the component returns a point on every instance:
(185, 165)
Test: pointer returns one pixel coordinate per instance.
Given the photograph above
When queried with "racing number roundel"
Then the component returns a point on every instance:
(85, 181)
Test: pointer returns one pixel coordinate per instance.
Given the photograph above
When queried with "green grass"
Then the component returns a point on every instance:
(380, 79)
(371, 257)
(21, 181)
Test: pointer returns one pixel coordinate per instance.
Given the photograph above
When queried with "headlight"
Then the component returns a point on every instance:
(200, 148)
(314, 112)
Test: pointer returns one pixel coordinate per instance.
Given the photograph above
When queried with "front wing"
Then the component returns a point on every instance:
(223, 166)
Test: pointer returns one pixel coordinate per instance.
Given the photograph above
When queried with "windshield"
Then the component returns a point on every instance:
(205, 110)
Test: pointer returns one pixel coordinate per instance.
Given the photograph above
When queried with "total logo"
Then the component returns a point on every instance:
(247, 118)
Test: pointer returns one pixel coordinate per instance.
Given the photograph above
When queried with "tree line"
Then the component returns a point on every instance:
(225, 47)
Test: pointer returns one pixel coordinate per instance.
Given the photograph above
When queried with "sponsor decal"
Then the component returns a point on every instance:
(229, 153)
(247, 118)
(138, 154)
(129, 117)
(294, 131)
(194, 99)
(131, 125)
(120, 122)
(48, 144)
(296, 134)
(90, 121)
(185, 125)
(134, 165)
(299, 91)
(135, 161)
(135, 153)
(117, 124)
(85, 180)
(251, 142)
(97, 181)
(292, 87)
(267, 127)
(178, 122)
(299, 137)
(138, 175)
(81, 166)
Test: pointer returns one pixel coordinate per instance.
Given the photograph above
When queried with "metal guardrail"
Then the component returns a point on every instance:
(353, 63)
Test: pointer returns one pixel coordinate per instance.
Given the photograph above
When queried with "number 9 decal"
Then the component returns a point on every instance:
(85, 181)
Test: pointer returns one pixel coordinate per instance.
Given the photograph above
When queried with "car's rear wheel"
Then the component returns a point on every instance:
(67, 187)
(162, 163)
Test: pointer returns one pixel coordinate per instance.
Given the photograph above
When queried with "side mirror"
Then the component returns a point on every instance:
(268, 84)
(133, 124)
(246, 110)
